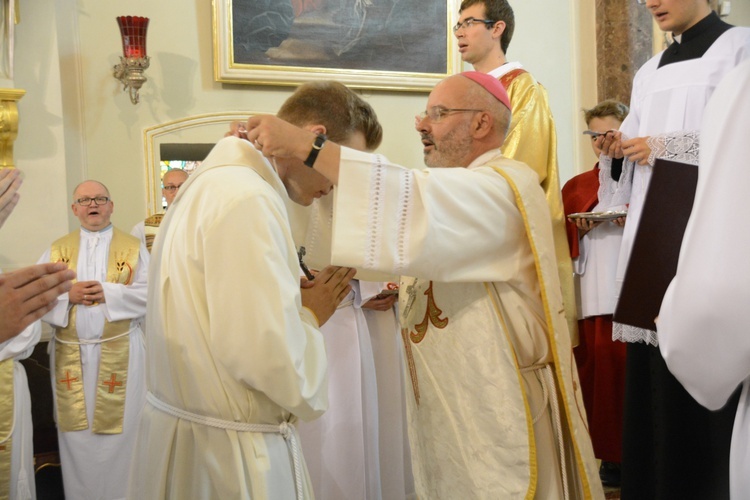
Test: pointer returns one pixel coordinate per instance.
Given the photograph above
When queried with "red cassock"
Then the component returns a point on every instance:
(600, 360)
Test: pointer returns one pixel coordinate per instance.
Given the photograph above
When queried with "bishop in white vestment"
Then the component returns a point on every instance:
(494, 409)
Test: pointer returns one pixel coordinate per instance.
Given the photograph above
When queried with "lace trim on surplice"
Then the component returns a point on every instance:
(633, 334)
(682, 146)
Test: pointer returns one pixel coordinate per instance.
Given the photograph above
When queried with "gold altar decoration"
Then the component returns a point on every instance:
(8, 124)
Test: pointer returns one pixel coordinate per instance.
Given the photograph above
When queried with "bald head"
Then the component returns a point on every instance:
(88, 184)
(92, 205)
(498, 108)
(172, 181)
(175, 175)
(463, 121)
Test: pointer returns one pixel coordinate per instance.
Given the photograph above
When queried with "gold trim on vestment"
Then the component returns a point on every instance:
(109, 409)
(151, 229)
(7, 415)
(533, 473)
(431, 315)
(582, 473)
(410, 363)
(532, 139)
(154, 220)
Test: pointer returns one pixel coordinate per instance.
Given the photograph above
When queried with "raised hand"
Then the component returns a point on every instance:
(637, 150)
(10, 181)
(29, 293)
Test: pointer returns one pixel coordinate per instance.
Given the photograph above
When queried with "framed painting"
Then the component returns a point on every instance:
(368, 44)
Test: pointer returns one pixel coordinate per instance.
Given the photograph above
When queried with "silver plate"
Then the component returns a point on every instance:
(598, 216)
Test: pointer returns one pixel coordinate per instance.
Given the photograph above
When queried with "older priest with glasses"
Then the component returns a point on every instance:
(97, 352)
(146, 230)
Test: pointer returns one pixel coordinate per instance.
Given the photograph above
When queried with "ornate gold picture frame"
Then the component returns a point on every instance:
(369, 44)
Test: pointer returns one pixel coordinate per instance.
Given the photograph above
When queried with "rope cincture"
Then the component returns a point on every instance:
(287, 431)
(549, 394)
(92, 341)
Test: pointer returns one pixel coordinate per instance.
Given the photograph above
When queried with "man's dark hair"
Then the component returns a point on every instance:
(496, 10)
(337, 108)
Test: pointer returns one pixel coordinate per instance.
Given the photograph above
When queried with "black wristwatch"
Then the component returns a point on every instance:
(316, 147)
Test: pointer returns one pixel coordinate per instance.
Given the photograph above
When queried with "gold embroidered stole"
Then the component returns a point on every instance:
(532, 140)
(431, 315)
(6, 425)
(109, 409)
(151, 229)
(559, 340)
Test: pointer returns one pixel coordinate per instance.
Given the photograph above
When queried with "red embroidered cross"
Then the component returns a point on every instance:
(68, 379)
(112, 383)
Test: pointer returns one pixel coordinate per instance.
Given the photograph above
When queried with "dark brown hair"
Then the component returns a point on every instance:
(496, 10)
(337, 108)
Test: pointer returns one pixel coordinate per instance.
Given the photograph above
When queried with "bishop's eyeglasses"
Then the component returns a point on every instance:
(99, 200)
(471, 21)
(436, 113)
(172, 188)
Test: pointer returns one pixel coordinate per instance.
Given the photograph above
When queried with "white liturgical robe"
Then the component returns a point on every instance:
(704, 321)
(228, 340)
(341, 447)
(596, 264)
(22, 486)
(96, 465)
(359, 448)
(491, 388)
(667, 99)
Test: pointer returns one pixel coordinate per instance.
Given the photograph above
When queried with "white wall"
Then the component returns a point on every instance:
(41, 213)
(76, 123)
(739, 13)
(542, 42)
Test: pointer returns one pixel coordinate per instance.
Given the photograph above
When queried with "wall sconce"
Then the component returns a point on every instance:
(135, 61)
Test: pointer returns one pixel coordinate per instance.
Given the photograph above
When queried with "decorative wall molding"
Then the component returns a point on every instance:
(208, 127)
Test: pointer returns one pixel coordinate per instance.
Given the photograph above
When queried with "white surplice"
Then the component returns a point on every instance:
(96, 465)
(596, 264)
(668, 99)
(228, 338)
(139, 231)
(485, 377)
(22, 486)
(704, 325)
(341, 447)
(383, 433)
(397, 480)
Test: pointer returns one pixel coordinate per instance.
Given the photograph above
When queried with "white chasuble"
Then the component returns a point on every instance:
(228, 339)
(488, 356)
